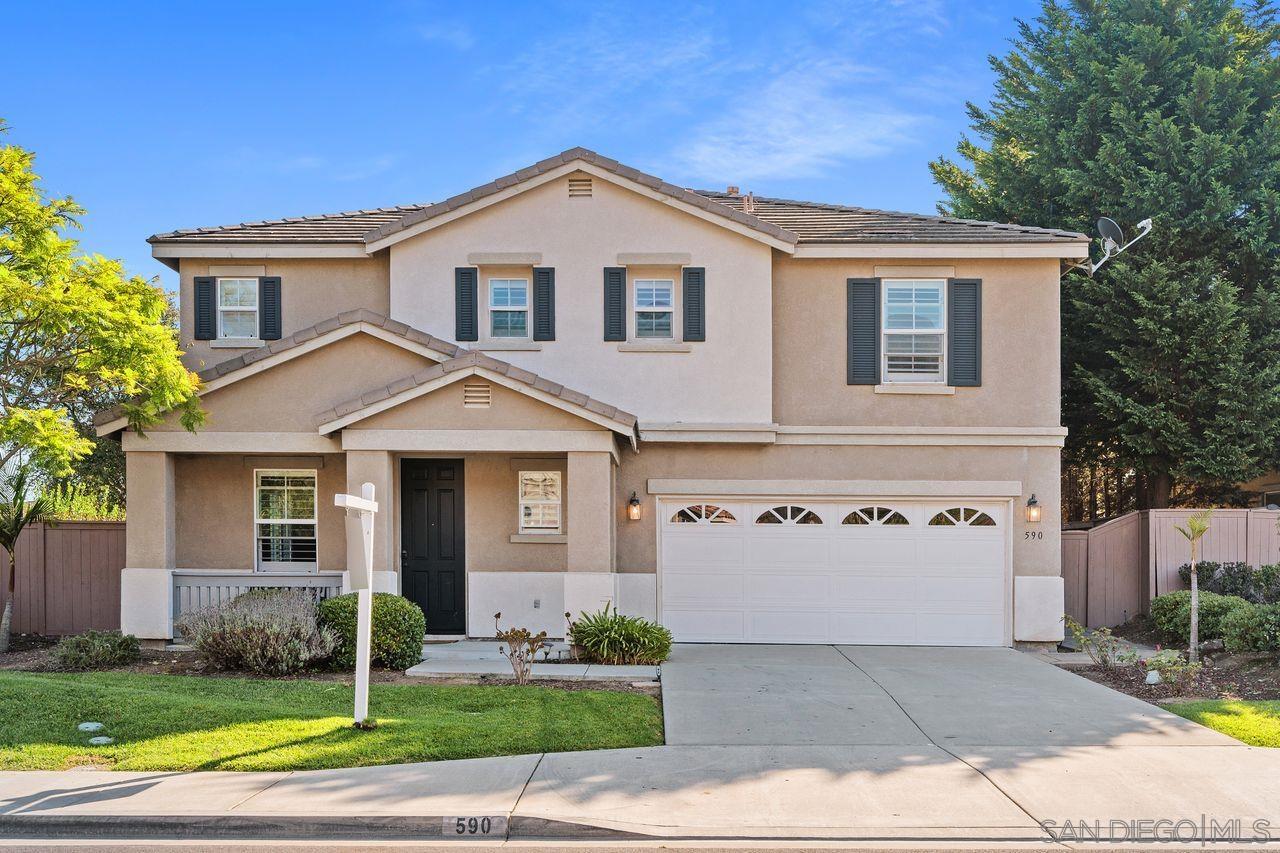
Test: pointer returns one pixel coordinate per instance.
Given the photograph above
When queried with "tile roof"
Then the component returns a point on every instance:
(782, 219)
(469, 359)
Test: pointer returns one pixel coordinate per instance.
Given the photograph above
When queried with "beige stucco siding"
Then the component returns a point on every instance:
(444, 409)
(312, 289)
(493, 515)
(287, 397)
(724, 379)
(215, 508)
(1020, 355)
(1037, 468)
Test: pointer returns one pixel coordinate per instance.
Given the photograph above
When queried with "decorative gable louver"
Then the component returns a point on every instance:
(579, 188)
(477, 395)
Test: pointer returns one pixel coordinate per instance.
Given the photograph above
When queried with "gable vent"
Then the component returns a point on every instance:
(476, 395)
(579, 188)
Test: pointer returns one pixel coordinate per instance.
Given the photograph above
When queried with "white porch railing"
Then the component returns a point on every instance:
(196, 590)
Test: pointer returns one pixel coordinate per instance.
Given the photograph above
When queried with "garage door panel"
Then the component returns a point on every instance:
(910, 584)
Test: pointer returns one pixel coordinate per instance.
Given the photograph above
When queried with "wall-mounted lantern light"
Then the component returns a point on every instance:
(1033, 509)
(633, 508)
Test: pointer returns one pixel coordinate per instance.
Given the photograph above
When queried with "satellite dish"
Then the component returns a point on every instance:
(1110, 231)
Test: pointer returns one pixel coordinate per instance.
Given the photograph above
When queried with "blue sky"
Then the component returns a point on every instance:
(167, 115)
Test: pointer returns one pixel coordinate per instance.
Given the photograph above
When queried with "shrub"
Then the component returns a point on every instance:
(1174, 669)
(1172, 614)
(96, 650)
(521, 649)
(609, 637)
(272, 632)
(399, 627)
(1260, 585)
(1254, 628)
(1103, 648)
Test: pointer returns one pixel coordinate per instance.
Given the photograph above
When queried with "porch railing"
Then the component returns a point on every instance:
(196, 590)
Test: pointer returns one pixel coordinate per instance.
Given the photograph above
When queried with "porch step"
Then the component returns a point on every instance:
(480, 650)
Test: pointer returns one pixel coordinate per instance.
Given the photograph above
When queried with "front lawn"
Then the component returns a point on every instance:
(1256, 723)
(164, 722)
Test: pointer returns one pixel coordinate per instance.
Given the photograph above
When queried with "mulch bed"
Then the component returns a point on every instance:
(33, 653)
(1256, 680)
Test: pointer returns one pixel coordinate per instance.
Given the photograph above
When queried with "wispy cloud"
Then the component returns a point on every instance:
(452, 33)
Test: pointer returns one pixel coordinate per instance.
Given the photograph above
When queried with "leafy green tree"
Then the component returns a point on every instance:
(1162, 108)
(75, 331)
(1197, 526)
(17, 510)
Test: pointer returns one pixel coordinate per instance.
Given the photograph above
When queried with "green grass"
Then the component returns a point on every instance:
(1255, 722)
(166, 722)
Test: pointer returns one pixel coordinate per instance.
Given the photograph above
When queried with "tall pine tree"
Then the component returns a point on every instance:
(1168, 109)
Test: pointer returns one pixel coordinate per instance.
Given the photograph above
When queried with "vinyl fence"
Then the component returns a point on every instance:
(68, 577)
(1112, 571)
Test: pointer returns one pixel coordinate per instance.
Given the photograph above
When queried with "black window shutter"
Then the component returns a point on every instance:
(864, 331)
(544, 303)
(695, 303)
(466, 282)
(206, 308)
(269, 308)
(964, 331)
(615, 303)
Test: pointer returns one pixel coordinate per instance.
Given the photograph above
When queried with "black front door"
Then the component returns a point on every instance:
(433, 558)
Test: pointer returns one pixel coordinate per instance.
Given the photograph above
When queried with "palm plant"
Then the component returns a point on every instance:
(16, 512)
(1197, 527)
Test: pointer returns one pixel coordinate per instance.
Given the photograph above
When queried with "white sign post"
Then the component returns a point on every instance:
(362, 582)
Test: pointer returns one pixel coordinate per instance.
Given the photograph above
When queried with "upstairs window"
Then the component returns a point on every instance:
(508, 308)
(914, 331)
(237, 308)
(655, 309)
(285, 520)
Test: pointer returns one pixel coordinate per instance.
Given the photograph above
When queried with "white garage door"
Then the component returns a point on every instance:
(869, 571)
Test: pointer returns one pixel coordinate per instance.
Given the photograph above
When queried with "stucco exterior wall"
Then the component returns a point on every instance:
(727, 378)
(1036, 467)
(311, 290)
(443, 409)
(1020, 351)
(214, 502)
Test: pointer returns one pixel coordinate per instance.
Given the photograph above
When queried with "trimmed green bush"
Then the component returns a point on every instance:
(268, 631)
(399, 627)
(1171, 613)
(1260, 585)
(609, 637)
(1254, 628)
(97, 650)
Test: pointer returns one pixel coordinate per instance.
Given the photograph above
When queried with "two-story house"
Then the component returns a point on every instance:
(754, 420)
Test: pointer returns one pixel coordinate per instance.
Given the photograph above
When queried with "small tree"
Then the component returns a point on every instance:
(1197, 527)
(16, 512)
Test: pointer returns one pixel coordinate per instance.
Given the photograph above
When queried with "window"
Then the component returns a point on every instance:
(508, 308)
(655, 308)
(237, 308)
(788, 515)
(540, 501)
(962, 516)
(285, 520)
(914, 328)
(875, 515)
(1270, 500)
(703, 514)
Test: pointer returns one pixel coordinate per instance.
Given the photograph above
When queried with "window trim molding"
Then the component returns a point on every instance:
(527, 310)
(521, 530)
(303, 568)
(219, 309)
(636, 309)
(888, 383)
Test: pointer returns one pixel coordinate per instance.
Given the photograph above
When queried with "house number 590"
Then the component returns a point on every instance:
(1033, 534)
(478, 825)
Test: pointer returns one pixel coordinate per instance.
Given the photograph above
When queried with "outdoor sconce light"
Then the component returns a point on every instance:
(633, 508)
(1033, 509)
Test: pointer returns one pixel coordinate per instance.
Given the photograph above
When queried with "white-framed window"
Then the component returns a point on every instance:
(914, 330)
(540, 501)
(508, 308)
(237, 308)
(284, 520)
(655, 308)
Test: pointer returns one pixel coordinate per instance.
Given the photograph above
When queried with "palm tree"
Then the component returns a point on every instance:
(1197, 527)
(16, 512)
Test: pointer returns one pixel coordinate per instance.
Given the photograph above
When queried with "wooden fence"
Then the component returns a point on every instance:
(1112, 571)
(68, 577)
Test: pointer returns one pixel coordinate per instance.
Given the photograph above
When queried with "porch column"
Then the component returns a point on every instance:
(146, 583)
(590, 518)
(374, 466)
